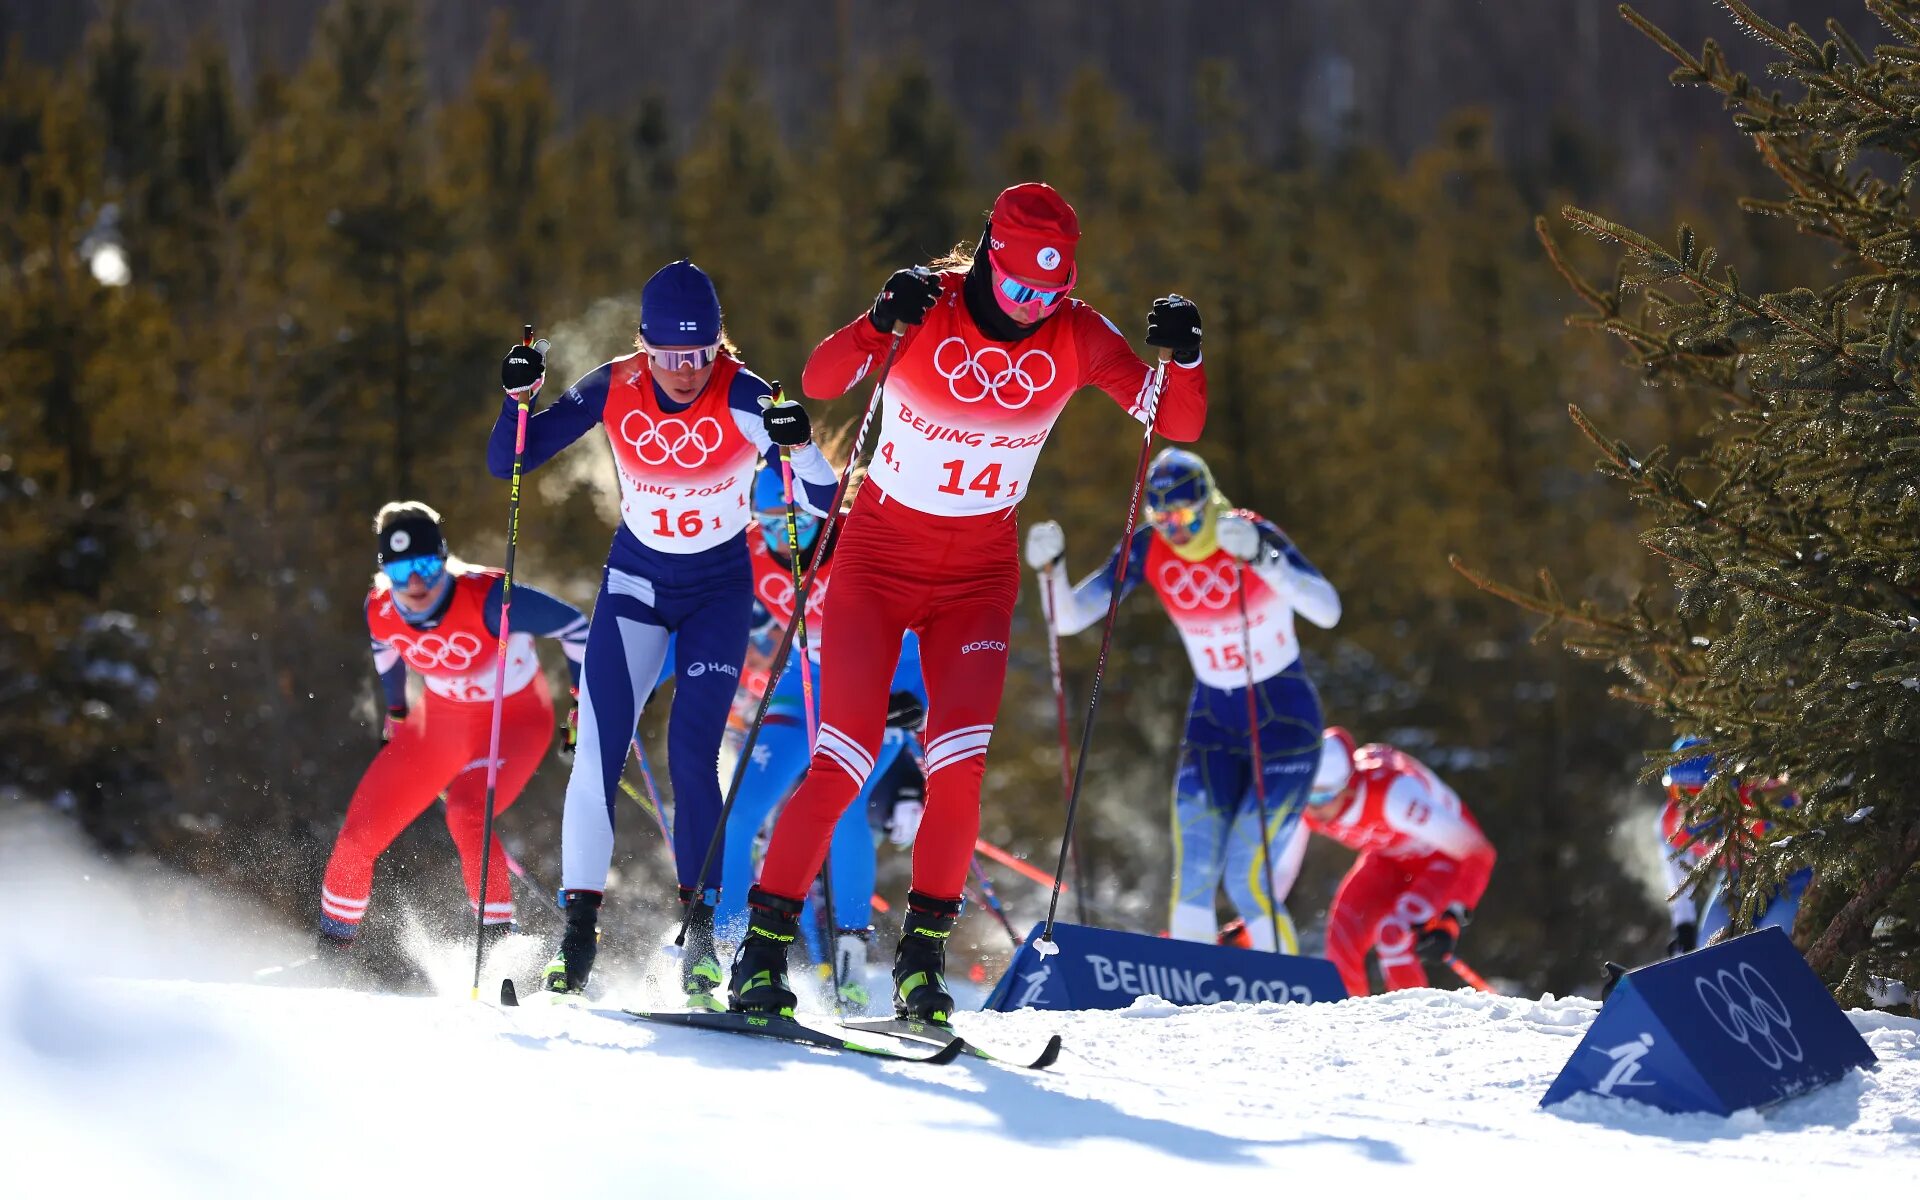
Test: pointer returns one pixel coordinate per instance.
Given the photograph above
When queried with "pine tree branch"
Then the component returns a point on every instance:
(1659, 259)
(1604, 303)
(1547, 604)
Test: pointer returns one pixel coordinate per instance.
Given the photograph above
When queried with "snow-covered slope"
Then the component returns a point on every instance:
(158, 1089)
(140, 1086)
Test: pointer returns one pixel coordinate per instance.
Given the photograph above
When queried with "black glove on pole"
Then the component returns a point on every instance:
(1173, 323)
(908, 297)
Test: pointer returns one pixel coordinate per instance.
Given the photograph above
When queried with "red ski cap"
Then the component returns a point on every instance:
(1034, 235)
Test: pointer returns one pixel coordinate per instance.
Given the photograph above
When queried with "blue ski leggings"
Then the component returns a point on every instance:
(780, 758)
(1216, 812)
(708, 603)
(1781, 910)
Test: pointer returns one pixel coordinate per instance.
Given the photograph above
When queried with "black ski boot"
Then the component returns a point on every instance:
(567, 973)
(920, 961)
(700, 974)
(759, 981)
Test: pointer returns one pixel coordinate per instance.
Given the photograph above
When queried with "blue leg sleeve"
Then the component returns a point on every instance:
(779, 759)
(711, 645)
(1288, 778)
(1208, 781)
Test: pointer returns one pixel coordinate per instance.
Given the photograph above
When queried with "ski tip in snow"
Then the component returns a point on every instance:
(1048, 1056)
(509, 998)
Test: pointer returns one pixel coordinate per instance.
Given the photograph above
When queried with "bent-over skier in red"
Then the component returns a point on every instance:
(993, 349)
(1423, 861)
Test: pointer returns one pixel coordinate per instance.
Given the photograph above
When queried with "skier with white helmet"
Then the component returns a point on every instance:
(1197, 551)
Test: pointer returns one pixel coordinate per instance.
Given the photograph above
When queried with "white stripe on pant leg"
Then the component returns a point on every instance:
(850, 754)
(933, 747)
(854, 749)
(341, 903)
(959, 749)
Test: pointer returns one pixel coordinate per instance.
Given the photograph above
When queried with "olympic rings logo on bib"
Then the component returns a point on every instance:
(670, 440)
(1197, 586)
(776, 592)
(992, 373)
(431, 651)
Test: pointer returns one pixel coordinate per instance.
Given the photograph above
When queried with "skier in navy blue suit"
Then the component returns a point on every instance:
(688, 428)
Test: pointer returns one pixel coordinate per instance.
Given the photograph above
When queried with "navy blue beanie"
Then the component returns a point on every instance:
(679, 307)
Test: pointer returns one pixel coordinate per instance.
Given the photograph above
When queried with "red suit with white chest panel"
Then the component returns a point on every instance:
(443, 749)
(685, 477)
(457, 657)
(966, 416)
(1201, 599)
(931, 546)
(773, 588)
(1420, 851)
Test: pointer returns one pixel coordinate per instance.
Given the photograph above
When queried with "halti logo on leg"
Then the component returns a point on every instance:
(1751, 1012)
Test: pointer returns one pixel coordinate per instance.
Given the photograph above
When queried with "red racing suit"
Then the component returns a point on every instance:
(931, 545)
(433, 750)
(1420, 851)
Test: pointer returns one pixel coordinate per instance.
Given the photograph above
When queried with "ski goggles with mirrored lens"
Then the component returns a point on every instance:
(773, 522)
(1022, 300)
(681, 360)
(1020, 293)
(429, 567)
(1188, 517)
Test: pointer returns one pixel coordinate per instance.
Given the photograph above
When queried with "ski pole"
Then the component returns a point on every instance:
(1155, 384)
(992, 902)
(524, 401)
(653, 804)
(1259, 765)
(779, 663)
(1467, 973)
(1066, 747)
(793, 561)
(651, 809)
(516, 869)
(806, 679)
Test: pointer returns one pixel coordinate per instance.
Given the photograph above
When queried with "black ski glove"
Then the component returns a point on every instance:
(908, 296)
(523, 367)
(394, 718)
(1438, 937)
(1173, 323)
(787, 424)
(1686, 939)
(904, 711)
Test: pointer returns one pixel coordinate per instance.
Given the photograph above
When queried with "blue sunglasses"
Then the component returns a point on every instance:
(429, 567)
(1020, 293)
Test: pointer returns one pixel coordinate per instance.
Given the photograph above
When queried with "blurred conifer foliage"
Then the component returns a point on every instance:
(316, 278)
(1786, 628)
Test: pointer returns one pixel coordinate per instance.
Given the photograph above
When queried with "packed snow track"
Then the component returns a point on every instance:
(191, 1089)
